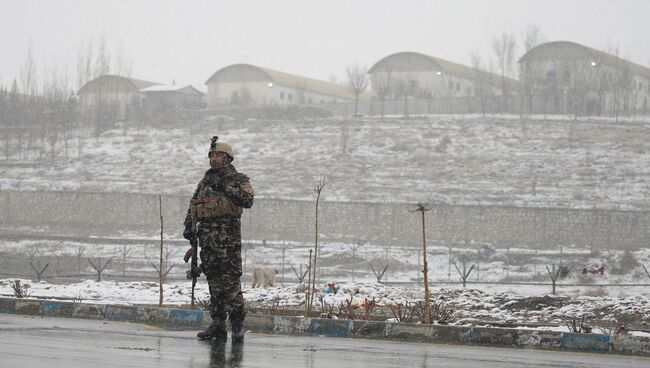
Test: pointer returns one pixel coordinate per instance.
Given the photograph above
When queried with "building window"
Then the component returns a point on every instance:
(566, 76)
(458, 87)
(281, 96)
(290, 96)
(468, 90)
(451, 85)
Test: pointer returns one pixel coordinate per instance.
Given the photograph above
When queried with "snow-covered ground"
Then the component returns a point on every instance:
(470, 306)
(453, 159)
(476, 304)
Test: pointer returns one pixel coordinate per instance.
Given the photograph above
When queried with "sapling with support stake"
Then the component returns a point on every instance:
(299, 274)
(465, 273)
(379, 275)
(160, 268)
(99, 267)
(423, 207)
(554, 275)
(38, 269)
(312, 286)
(308, 290)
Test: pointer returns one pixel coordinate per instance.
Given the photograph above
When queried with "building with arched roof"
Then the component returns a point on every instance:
(567, 77)
(425, 76)
(112, 93)
(245, 84)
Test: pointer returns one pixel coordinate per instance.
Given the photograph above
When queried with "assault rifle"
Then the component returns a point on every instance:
(194, 272)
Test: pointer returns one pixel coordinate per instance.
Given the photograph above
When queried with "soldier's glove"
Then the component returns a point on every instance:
(188, 234)
(188, 255)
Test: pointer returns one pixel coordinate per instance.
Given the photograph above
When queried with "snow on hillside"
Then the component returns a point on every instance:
(494, 160)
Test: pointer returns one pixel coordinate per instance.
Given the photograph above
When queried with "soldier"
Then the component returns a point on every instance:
(218, 201)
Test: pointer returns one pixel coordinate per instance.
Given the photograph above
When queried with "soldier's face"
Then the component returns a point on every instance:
(217, 159)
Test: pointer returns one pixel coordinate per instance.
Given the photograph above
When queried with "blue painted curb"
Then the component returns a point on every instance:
(186, 317)
(440, 334)
(586, 342)
(56, 309)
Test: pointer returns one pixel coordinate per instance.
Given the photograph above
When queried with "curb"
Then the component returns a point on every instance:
(440, 334)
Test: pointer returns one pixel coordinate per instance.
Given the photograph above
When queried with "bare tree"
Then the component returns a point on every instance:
(79, 252)
(300, 274)
(378, 275)
(103, 58)
(620, 82)
(531, 37)
(312, 287)
(284, 248)
(584, 80)
(167, 265)
(355, 246)
(99, 266)
(465, 273)
(383, 87)
(504, 47)
(482, 81)
(27, 74)
(532, 71)
(387, 246)
(554, 275)
(38, 268)
(125, 253)
(357, 81)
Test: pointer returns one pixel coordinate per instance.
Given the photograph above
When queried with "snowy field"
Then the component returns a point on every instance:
(453, 159)
(476, 304)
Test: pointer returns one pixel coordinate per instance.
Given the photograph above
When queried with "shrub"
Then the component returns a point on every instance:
(20, 290)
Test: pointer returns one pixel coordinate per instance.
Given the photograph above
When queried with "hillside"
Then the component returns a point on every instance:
(453, 159)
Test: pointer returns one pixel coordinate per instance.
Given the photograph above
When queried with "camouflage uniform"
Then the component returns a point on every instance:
(219, 231)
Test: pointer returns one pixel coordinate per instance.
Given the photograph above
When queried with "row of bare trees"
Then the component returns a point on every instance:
(39, 110)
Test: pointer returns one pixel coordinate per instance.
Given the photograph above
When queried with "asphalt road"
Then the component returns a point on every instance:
(28, 341)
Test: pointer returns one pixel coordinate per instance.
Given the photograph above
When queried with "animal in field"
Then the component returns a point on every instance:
(264, 276)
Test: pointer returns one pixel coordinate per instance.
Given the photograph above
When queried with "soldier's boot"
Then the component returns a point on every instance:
(238, 330)
(217, 330)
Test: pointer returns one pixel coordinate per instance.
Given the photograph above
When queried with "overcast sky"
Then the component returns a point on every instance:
(187, 41)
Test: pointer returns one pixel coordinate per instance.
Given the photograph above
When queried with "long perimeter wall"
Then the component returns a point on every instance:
(380, 223)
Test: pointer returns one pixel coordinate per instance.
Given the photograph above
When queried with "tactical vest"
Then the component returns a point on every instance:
(211, 203)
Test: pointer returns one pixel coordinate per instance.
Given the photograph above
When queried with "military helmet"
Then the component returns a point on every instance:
(220, 147)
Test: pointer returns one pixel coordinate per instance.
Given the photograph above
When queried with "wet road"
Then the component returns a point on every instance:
(28, 341)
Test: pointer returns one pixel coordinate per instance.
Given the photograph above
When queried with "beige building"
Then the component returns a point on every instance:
(569, 78)
(162, 98)
(245, 84)
(423, 76)
(112, 95)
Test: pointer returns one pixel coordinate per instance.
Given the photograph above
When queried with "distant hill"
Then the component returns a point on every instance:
(496, 160)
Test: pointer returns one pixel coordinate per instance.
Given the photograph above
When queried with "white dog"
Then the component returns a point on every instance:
(264, 276)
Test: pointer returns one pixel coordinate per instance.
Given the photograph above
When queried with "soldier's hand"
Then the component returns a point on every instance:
(188, 255)
(188, 234)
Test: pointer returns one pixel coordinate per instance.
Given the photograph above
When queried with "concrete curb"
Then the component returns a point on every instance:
(195, 319)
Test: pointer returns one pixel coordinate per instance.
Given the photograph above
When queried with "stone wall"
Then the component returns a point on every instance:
(274, 219)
